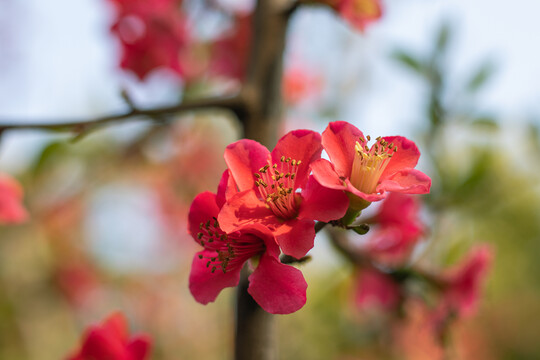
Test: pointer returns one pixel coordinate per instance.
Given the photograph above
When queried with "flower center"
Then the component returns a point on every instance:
(231, 251)
(369, 163)
(276, 186)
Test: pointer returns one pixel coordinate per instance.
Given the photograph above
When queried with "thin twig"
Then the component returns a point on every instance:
(234, 104)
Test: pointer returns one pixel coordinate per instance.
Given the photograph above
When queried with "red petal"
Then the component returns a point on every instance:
(321, 203)
(202, 209)
(407, 155)
(376, 288)
(295, 237)
(407, 181)
(204, 285)
(101, 344)
(300, 145)
(242, 209)
(116, 324)
(139, 348)
(226, 188)
(339, 140)
(11, 208)
(244, 158)
(276, 287)
(326, 175)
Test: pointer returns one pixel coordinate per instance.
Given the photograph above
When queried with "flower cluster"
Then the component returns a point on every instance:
(152, 34)
(268, 203)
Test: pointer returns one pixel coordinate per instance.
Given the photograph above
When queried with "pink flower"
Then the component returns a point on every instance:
(399, 227)
(374, 288)
(465, 279)
(153, 34)
(268, 184)
(276, 287)
(368, 173)
(11, 208)
(299, 84)
(360, 13)
(110, 341)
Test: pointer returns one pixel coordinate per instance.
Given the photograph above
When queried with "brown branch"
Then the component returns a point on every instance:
(235, 104)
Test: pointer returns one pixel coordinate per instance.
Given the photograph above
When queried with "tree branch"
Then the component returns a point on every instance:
(235, 104)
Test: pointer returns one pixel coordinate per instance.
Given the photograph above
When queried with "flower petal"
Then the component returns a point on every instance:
(204, 285)
(300, 145)
(326, 175)
(374, 288)
(139, 348)
(295, 237)
(202, 209)
(226, 189)
(11, 208)
(339, 140)
(242, 209)
(407, 155)
(116, 325)
(276, 287)
(244, 158)
(407, 181)
(321, 203)
(101, 344)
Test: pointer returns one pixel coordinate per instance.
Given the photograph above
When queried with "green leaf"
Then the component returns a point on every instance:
(409, 61)
(361, 229)
(480, 77)
(443, 38)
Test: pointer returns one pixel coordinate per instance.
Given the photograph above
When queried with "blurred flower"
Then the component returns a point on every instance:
(375, 288)
(368, 173)
(399, 228)
(299, 84)
(276, 287)
(465, 280)
(268, 184)
(110, 341)
(152, 33)
(359, 13)
(231, 51)
(11, 208)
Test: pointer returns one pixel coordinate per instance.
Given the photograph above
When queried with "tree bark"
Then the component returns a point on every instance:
(255, 329)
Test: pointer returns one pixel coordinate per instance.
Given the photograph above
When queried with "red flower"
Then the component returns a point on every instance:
(231, 51)
(368, 173)
(276, 287)
(464, 281)
(268, 184)
(360, 13)
(374, 288)
(399, 227)
(152, 33)
(11, 209)
(110, 341)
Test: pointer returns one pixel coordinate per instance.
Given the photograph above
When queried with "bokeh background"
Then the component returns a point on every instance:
(108, 211)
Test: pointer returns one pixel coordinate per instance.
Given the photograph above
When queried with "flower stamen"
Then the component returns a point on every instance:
(277, 188)
(231, 250)
(369, 163)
